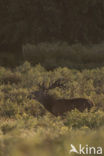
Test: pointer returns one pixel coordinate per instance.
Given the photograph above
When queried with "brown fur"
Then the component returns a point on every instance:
(60, 106)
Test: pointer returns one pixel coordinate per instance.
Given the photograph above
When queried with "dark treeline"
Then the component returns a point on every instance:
(35, 21)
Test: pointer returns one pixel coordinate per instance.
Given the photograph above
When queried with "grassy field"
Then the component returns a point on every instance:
(27, 129)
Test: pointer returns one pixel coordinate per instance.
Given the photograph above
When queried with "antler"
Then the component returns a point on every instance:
(58, 83)
(42, 86)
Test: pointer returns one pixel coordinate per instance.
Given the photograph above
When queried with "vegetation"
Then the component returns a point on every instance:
(38, 21)
(53, 55)
(27, 128)
(63, 40)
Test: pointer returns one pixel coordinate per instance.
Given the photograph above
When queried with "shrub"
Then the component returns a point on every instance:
(9, 109)
(92, 120)
(52, 55)
(10, 78)
(34, 108)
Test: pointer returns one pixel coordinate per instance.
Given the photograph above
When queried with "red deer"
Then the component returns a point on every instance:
(60, 106)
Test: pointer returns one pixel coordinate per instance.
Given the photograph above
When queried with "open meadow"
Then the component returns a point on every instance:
(28, 129)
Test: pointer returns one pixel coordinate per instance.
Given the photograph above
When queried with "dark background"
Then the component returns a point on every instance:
(52, 21)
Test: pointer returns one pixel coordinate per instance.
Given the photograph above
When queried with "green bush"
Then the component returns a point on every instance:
(27, 128)
(14, 96)
(9, 109)
(34, 108)
(92, 120)
(10, 78)
(53, 55)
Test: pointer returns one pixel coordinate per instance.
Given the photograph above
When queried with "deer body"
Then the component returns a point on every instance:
(60, 106)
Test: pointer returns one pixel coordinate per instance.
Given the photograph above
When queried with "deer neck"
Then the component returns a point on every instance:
(47, 102)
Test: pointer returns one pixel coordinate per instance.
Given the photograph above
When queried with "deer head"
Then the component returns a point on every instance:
(43, 90)
(42, 94)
